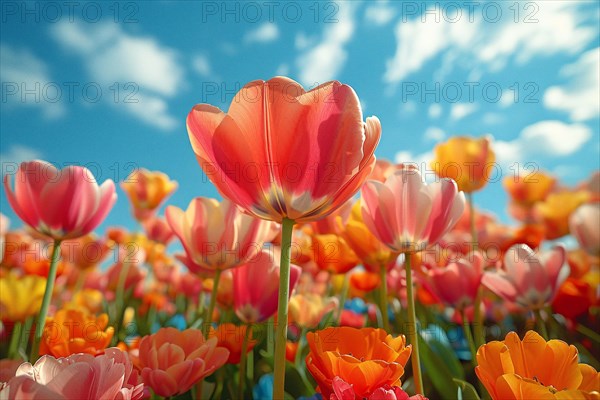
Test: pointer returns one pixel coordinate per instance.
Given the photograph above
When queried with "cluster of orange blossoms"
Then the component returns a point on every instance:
(342, 278)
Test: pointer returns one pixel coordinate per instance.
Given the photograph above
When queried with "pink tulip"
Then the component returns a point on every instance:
(4, 224)
(528, 279)
(343, 390)
(173, 361)
(158, 230)
(584, 224)
(217, 235)
(256, 285)
(456, 284)
(61, 204)
(408, 215)
(281, 152)
(79, 376)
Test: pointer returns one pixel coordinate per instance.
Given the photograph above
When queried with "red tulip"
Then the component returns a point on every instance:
(280, 152)
(256, 284)
(61, 204)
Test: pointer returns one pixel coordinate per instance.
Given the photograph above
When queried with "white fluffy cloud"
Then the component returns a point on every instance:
(548, 138)
(435, 110)
(560, 28)
(323, 61)
(267, 32)
(580, 97)
(24, 77)
(113, 55)
(460, 110)
(201, 65)
(18, 153)
(434, 134)
(379, 13)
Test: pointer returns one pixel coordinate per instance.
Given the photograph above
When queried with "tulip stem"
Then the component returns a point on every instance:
(41, 320)
(298, 357)
(243, 362)
(469, 337)
(477, 316)
(211, 306)
(15, 340)
(343, 296)
(541, 324)
(287, 227)
(383, 296)
(412, 328)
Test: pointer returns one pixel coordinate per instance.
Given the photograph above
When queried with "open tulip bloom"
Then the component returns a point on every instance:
(320, 274)
(286, 155)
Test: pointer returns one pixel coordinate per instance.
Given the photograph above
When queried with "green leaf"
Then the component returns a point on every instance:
(439, 362)
(439, 343)
(296, 383)
(466, 391)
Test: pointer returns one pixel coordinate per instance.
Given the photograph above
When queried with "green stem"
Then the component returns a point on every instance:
(584, 330)
(242, 376)
(120, 295)
(412, 323)
(24, 338)
(41, 320)
(300, 347)
(541, 324)
(211, 306)
(469, 338)
(383, 296)
(15, 340)
(287, 227)
(477, 315)
(343, 296)
(271, 337)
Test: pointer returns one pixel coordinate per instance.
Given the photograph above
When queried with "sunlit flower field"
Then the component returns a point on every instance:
(300, 200)
(322, 273)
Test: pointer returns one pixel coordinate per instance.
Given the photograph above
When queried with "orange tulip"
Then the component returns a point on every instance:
(469, 161)
(281, 152)
(332, 254)
(573, 298)
(370, 250)
(529, 189)
(291, 348)
(231, 337)
(147, 190)
(555, 211)
(367, 357)
(85, 252)
(73, 331)
(308, 309)
(535, 369)
(89, 299)
(364, 281)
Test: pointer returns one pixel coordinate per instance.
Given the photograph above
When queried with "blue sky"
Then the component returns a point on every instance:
(108, 85)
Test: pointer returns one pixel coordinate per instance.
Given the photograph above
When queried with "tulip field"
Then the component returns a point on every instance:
(321, 272)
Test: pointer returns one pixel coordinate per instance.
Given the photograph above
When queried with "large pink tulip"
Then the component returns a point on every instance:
(528, 279)
(408, 215)
(256, 285)
(79, 376)
(61, 204)
(173, 361)
(584, 224)
(281, 152)
(217, 235)
(456, 284)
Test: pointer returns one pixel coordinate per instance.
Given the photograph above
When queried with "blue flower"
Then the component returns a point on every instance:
(263, 390)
